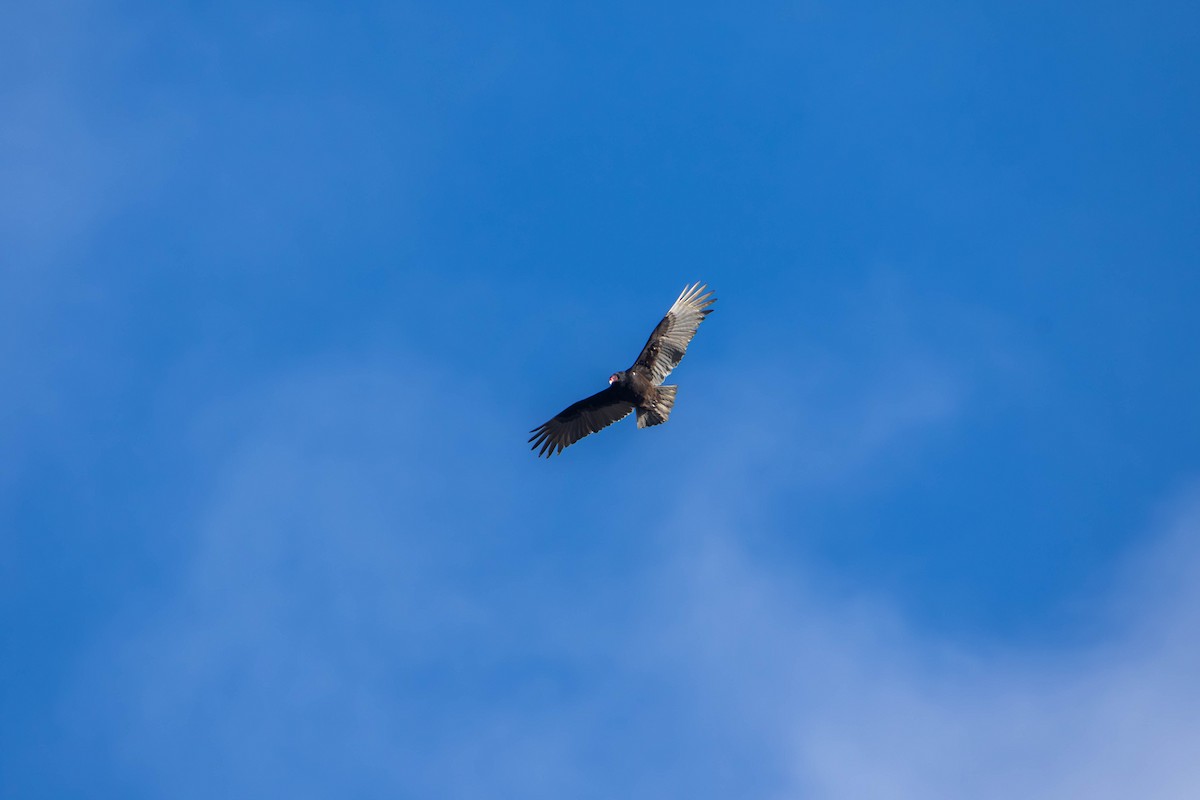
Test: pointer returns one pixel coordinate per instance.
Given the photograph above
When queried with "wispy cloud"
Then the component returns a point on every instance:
(331, 633)
(857, 703)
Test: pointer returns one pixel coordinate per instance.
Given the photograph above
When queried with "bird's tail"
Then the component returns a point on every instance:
(664, 401)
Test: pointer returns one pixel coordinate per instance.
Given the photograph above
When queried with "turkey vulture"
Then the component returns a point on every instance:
(639, 387)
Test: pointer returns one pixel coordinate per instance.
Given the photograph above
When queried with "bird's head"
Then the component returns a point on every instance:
(616, 377)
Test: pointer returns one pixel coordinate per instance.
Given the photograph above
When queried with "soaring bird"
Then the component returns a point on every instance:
(639, 387)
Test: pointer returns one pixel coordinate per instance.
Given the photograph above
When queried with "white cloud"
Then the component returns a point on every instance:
(346, 624)
(865, 707)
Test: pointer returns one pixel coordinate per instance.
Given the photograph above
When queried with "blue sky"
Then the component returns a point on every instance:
(284, 286)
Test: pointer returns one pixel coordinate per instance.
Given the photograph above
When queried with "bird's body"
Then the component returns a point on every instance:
(637, 388)
(652, 403)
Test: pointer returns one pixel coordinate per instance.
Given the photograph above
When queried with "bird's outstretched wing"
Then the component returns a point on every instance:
(576, 421)
(669, 342)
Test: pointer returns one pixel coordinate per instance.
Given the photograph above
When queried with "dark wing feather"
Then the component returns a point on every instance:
(670, 339)
(577, 421)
